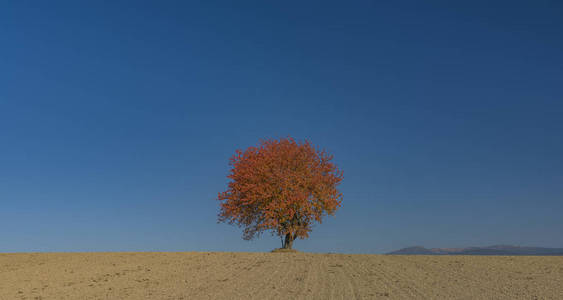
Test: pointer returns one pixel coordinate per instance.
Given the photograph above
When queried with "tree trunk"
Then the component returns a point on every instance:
(288, 242)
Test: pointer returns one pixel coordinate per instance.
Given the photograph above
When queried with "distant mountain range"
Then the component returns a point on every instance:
(490, 250)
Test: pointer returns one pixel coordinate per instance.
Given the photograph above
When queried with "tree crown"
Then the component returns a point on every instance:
(280, 185)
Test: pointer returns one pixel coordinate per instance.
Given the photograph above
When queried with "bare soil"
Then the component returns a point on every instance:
(276, 276)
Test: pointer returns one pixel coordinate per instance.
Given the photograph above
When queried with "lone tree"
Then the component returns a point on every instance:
(280, 185)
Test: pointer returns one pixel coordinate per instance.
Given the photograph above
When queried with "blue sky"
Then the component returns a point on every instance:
(117, 120)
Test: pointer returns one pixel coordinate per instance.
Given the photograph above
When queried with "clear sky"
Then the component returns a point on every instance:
(117, 120)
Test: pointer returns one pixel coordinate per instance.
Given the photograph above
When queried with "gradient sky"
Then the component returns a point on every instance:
(117, 120)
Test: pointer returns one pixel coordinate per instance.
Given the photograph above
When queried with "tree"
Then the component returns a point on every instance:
(283, 186)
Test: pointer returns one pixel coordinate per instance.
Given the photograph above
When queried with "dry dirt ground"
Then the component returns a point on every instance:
(276, 276)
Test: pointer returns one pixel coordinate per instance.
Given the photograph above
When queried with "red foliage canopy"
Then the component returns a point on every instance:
(280, 185)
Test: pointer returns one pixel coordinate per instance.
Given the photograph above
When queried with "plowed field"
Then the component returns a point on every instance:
(276, 276)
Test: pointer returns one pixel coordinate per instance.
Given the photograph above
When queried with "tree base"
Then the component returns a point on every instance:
(282, 250)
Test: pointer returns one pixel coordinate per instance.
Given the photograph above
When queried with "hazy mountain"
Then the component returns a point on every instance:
(413, 250)
(490, 250)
